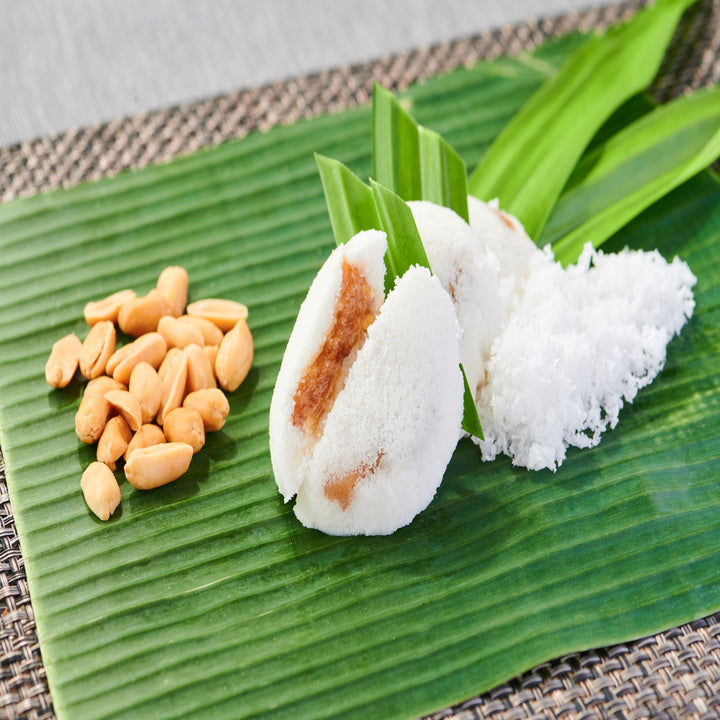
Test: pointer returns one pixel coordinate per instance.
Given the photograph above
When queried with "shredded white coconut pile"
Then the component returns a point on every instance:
(579, 344)
(566, 348)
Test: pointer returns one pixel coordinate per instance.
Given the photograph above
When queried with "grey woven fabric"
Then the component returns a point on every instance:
(89, 61)
(675, 674)
(94, 152)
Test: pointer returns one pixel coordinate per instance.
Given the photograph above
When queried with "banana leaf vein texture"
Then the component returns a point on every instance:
(206, 598)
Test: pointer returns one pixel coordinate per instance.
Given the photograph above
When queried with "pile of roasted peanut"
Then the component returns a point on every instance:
(151, 401)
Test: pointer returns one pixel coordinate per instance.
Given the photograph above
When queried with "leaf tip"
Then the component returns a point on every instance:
(470, 419)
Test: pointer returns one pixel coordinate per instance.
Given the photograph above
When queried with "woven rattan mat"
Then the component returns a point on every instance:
(675, 674)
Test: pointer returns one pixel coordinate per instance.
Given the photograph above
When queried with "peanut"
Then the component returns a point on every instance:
(145, 385)
(101, 385)
(212, 352)
(185, 425)
(117, 357)
(223, 313)
(63, 361)
(142, 314)
(169, 372)
(100, 489)
(151, 467)
(128, 407)
(212, 405)
(173, 385)
(97, 348)
(212, 334)
(171, 353)
(147, 436)
(234, 357)
(200, 372)
(91, 417)
(113, 441)
(173, 284)
(149, 348)
(179, 334)
(107, 308)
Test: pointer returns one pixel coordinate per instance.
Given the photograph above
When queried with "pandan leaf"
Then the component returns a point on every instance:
(531, 160)
(444, 175)
(405, 248)
(471, 421)
(395, 146)
(350, 202)
(414, 162)
(632, 170)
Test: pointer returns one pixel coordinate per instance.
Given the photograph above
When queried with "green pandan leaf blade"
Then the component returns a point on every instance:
(405, 248)
(350, 202)
(634, 168)
(354, 206)
(528, 165)
(415, 162)
(395, 146)
(471, 420)
(443, 173)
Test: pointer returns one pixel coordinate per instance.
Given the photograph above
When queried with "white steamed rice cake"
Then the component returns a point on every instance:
(377, 456)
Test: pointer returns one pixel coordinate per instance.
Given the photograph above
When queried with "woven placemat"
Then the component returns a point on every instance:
(675, 674)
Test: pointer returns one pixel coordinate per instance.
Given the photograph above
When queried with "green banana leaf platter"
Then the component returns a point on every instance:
(206, 598)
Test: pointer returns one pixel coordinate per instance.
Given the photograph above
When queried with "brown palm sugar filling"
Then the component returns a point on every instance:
(340, 488)
(323, 378)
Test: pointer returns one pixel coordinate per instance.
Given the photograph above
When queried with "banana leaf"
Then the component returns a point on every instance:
(206, 598)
